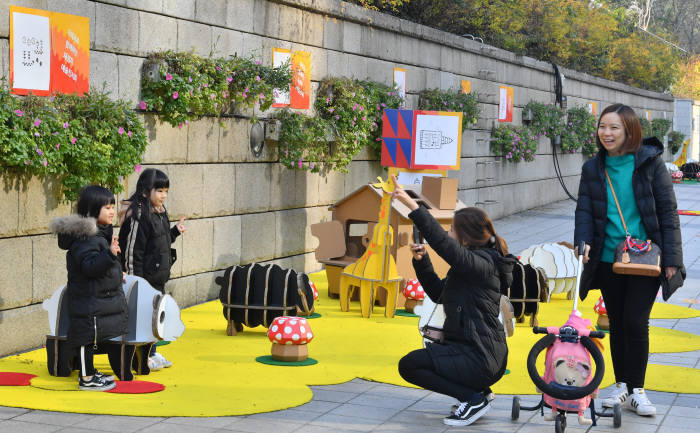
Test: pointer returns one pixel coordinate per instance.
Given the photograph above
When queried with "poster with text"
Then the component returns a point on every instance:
(280, 56)
(466, 86)
(400, 83)
(415, 177)
(593, 108)
(30, 55)
(505, 104)
(49, 52)
(300, 88)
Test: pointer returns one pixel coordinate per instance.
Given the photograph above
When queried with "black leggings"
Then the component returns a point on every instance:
(628, 299)
(417, 368)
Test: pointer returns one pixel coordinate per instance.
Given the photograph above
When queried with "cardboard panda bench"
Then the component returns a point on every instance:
(152, 317)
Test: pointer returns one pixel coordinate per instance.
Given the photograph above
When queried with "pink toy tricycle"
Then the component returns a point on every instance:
(568, 385)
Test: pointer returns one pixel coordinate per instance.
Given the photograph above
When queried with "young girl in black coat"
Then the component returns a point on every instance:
(97, 304)
(146, 237)
(474, 353)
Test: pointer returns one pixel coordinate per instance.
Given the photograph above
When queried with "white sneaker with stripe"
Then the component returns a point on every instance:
(618, 395)
(639, 402)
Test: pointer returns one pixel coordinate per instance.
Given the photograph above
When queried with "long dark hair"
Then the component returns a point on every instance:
(150, 179)
(630, 121)
(91, 200)
(474, 228)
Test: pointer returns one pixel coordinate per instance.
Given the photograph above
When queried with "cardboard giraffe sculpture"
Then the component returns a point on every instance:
(376, 267)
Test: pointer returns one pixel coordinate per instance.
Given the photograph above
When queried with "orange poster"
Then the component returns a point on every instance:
(466, 86)
(505, 104)
(593, 108)
(300, 88)
(49, 52)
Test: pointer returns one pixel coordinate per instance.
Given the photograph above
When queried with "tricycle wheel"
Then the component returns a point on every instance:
(617, 415)
(560, 423)
(515, 410)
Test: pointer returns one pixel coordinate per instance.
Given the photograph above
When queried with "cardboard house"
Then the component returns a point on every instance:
(344, 239)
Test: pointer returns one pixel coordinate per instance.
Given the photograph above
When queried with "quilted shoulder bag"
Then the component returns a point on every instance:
(635, 256)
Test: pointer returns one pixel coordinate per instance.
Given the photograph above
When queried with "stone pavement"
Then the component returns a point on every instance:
(361, 406)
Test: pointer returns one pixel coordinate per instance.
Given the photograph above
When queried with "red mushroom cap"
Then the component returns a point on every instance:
(599, 307)
(413, 290)
(290, 330)
(313, 288)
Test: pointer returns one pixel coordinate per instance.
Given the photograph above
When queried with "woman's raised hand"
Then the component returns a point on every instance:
(400, 194)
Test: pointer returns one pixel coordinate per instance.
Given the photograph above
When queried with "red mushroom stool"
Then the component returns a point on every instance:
(312, 314)
(414, 294)
(697, 176)
(677, 177)
(603, 321)
(289, 336)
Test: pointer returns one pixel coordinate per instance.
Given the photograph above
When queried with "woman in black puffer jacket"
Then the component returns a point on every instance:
(474, 354)
(645, 194)
(97, 304)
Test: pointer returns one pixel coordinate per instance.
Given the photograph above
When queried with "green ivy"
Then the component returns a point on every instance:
(515, 143)
(438, 100)
(80, 140)
(646, 127)
(675, 141)
(659, 128)
(546, 118)
(579, 132)
(348, 115)
(186, 86)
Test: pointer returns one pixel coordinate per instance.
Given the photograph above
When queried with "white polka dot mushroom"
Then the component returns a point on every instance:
(603, 321)
(289, 336)
(414, 294)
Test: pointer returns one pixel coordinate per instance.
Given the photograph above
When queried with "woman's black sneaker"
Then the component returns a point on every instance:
(488, 394)
(467, 413)
(107, 378)
(97, 383)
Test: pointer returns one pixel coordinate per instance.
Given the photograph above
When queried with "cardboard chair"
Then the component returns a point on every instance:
(152, 317)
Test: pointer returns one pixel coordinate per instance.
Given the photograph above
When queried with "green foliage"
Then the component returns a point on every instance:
(546, 118)
(515, 143)
(187, 86)
(455, 100)
(659, 128)
(578, 132)
(80, 140)
(675, 141)
(646, 127)
(348, 112)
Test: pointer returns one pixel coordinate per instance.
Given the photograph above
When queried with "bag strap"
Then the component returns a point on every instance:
(616, 202)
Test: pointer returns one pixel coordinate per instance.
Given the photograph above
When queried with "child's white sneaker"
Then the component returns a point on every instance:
(618, 395)
(154, 364)
(162, 361)
(640, 403)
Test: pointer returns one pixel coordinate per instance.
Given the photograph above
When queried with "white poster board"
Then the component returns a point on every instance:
(400, 83)
(32, 51)
(437, 139)
(279, 58)
(414, 177)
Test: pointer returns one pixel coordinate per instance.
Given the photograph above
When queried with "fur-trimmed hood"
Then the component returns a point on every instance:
(72, 227)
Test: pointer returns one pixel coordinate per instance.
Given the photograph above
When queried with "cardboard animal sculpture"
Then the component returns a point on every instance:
(152, 317)
(376, 268)
(558, 263)
(528, 289)
(255, 294)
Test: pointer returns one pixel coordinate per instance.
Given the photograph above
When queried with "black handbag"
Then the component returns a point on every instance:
(635, 256)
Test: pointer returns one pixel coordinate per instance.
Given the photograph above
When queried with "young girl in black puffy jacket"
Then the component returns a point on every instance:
(146, 237)
(474, 353)
(97, 306)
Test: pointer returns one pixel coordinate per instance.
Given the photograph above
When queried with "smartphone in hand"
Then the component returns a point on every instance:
(417, 236)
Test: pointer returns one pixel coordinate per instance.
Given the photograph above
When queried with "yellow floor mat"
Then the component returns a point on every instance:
(217, 375)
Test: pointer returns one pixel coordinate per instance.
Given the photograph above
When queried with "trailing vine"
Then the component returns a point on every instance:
(579, 132)
(183, 86)
(515, 143)
(439, 100)
(675, 141)
(546, 118)
(659, 128)
(80, 140)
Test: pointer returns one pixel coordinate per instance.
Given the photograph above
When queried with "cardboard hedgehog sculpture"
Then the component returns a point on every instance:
(528, 289)
(256, 294)
(152, 317)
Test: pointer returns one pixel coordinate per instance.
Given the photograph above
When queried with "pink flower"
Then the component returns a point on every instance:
(142, 105)
(206, 85)
(337, 117)
(244, 96)
(312, 165)
(36, 134)
(120, 131)
(229, 79)
(212, 96)
(58, 146)
(225, 94)
(45, 162)
(168, 77)
(137, 168)
(257, 78)
(73, 140)
(130, 134)
(234, 73)
(37, 122)
(65, 125)
(176, 95)
(39, 151)
(19, 113)
(330, 110)
(262, 96)
(300, 163)
(189, 79)
(218, 68)
(27, 162)
(246, 90)
(179, 126)
(258, 62)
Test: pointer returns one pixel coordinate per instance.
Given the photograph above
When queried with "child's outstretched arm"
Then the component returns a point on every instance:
(177, 230)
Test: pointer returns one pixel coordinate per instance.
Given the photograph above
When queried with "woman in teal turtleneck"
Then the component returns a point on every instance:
(648, 204)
